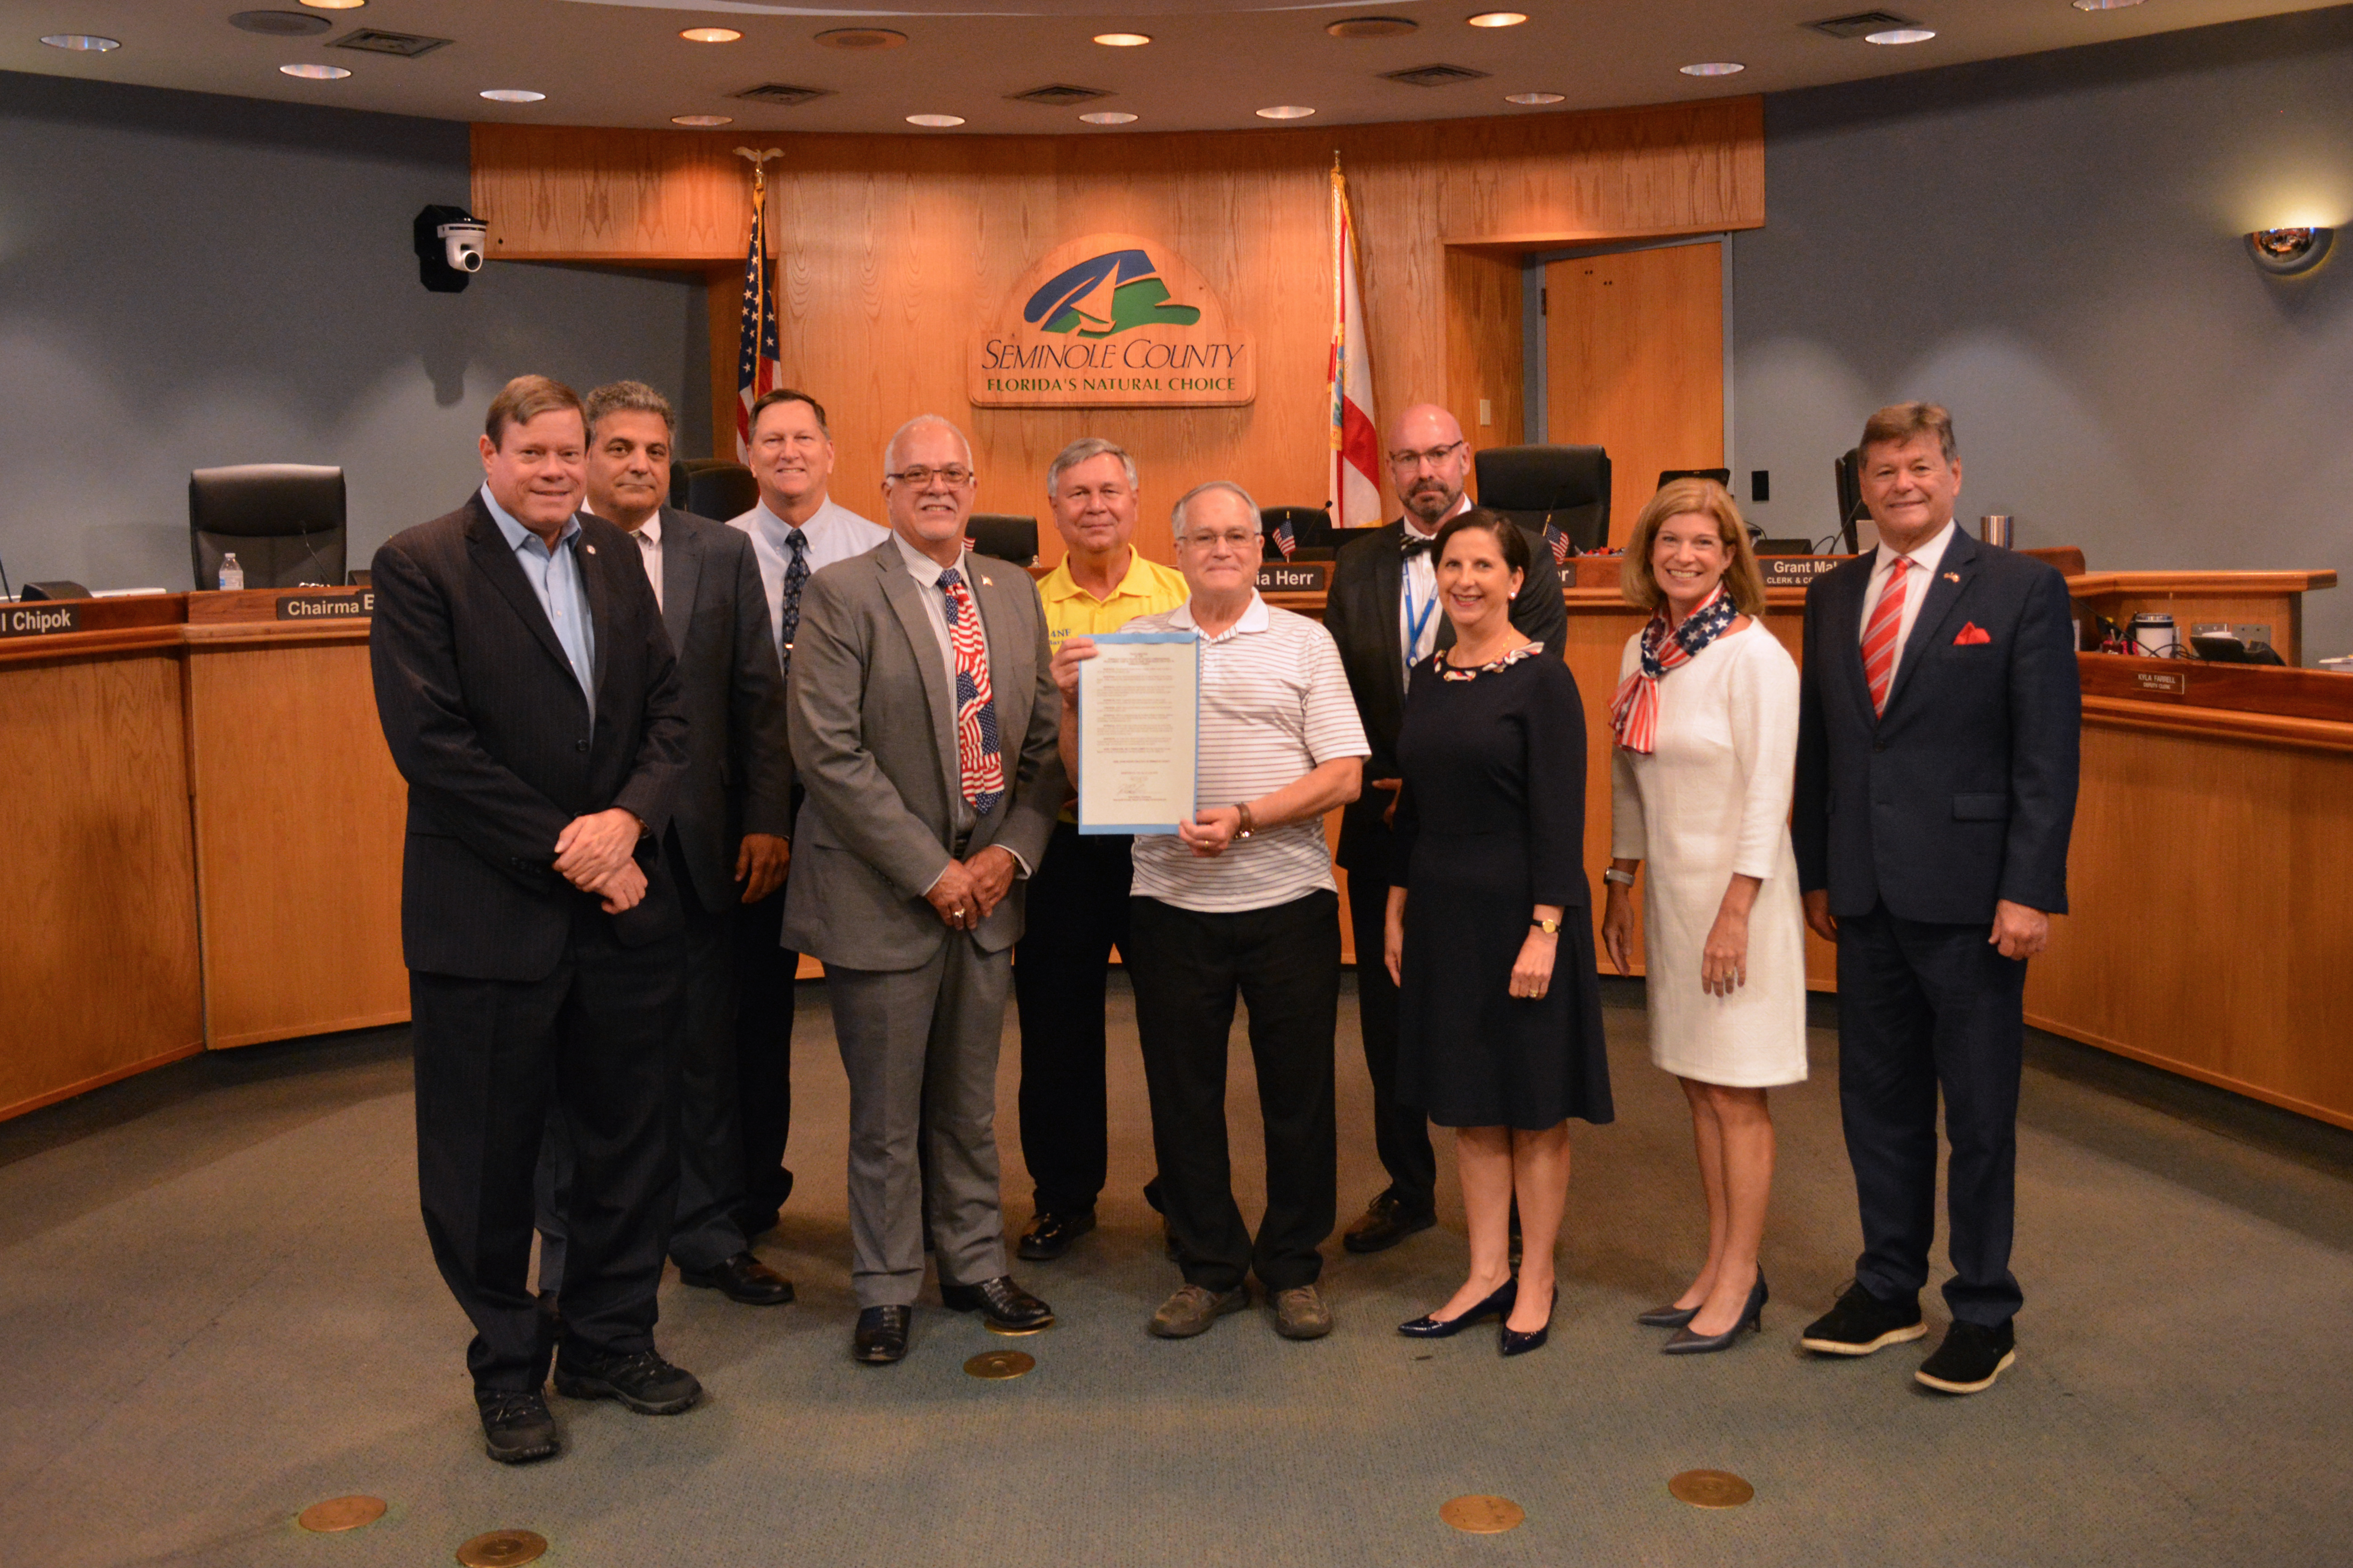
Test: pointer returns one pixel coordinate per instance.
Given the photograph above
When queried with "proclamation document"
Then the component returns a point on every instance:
(1139, 728)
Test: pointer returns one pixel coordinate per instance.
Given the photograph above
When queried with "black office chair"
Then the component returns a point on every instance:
(283, 522)
(1721, 476)
(715, 487)
(1312, 534)
(1004, 536)
(1848, 474)
(1566, 486)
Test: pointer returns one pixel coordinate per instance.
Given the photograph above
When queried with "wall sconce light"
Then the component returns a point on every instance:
(2284, 252)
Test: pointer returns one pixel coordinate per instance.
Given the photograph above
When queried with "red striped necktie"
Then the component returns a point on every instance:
(980, 762)
(1878, 638)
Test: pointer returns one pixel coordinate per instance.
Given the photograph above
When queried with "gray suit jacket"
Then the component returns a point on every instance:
(739, 764)
(873, 738)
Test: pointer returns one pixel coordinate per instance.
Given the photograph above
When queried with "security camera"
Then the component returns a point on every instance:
(450, 245)
(461, 244)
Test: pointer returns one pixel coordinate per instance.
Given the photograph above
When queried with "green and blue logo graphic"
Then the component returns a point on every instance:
(1106, 295)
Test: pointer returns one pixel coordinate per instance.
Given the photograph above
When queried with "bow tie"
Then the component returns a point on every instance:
(1415, 544)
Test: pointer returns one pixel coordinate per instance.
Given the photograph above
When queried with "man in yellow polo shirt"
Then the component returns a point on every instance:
(1077, 901)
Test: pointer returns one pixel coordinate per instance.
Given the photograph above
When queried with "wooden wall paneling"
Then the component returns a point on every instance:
(99, 966)
(299, 815)
(566, 193)
(723, 298)
(1486, 351)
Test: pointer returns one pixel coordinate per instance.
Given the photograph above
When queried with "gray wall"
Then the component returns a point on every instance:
(2050, 246)
(188, 279)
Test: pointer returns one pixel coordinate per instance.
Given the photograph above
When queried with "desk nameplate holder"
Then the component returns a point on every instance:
(1295, 576)
(48, 617)
(327, 606)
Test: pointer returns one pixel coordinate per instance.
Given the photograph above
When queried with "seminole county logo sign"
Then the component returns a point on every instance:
(1112, 319)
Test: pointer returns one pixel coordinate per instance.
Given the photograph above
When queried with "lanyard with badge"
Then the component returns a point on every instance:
(1415, 624)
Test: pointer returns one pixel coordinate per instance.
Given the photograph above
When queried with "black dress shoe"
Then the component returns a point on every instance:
(1510, 1342)
(881, 1337)
(516, 1427)
(1667, 1317)
(1968, 1360)
(1752, 1321)
(742, 1277)
(1385, 1222)
(1051, 1235)
(1498, 1305)
(640, 1380)
(1862, 1323)
(999, 1301)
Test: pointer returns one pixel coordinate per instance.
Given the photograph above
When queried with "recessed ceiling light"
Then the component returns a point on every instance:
(334, 4)
(1899, 36)
(2104, 4)
(1286, 112)
(1537, 98)
(511, 95)
(1123, 40)
(702, 121)
(935, 121)
(1109, 117)
(711, 35)
(1715, 68)
(1499, 18)
(1372, 27)
(86, 42)
(315, 73)
(862, 40)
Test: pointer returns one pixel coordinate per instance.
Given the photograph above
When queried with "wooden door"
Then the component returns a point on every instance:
(1634, 362)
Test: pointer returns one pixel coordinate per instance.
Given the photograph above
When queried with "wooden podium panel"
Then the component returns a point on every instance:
(298, 832)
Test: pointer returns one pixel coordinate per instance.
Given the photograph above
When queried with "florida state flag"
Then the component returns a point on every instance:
(1353, 496)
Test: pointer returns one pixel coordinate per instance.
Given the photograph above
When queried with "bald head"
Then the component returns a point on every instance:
(1428, 461)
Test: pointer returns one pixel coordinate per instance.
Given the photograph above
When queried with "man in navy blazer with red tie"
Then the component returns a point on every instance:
(1939, 722)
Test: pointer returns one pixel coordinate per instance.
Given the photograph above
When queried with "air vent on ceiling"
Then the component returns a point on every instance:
(1061, 95)
(376, 41)
(1433, 76)
(1862, 22)
(279, 24)
(779, 93)
(1372, 27)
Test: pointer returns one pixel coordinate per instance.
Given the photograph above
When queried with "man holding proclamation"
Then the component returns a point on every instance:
(726, 843)
(1241, 900)
(529, 697)
(923, 727)
(1384, 615)
(1938, 726)
(797, 528)
(1077, 901)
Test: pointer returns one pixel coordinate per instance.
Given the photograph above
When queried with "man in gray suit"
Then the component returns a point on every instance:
(923, 727)
(726, 842)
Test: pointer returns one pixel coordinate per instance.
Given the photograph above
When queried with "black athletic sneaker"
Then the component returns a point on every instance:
(643, 1381)
(516, 1427)
(1968, 1360)
(1862, 1323)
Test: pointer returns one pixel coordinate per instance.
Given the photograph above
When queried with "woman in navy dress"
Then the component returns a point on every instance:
(1490, 932)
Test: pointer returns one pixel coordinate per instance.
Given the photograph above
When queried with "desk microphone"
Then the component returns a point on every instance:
(5, 593)
(317, 569)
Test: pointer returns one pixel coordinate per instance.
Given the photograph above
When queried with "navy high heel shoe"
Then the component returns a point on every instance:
(1515, 1343)
(1498, 1305)
(1668, 1317)
(1752, 1318)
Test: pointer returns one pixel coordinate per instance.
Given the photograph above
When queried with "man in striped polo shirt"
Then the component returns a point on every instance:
(1241, 901)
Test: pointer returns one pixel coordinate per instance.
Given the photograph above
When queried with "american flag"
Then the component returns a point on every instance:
(756, 360)
(1284, 539)
(1561, 548)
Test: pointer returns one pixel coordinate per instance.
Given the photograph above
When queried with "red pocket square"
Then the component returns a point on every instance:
(1972, 633)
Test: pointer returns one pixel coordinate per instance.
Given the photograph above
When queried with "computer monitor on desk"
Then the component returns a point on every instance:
(283, 522)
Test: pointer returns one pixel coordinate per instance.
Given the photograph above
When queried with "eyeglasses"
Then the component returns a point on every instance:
(1434, 456)
(921, 478)
(1239, 541)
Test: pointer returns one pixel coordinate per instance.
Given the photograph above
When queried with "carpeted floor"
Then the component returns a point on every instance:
(216, 1306)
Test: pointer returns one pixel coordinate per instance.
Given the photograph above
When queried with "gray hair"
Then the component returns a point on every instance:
(626, 398)
(890, 448)
(1086, 450)
(1176, 512)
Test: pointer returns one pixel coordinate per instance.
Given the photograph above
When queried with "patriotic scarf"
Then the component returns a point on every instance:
(1634, 711)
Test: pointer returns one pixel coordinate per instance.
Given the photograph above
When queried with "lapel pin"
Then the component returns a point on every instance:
(989, 582)
(589, 548)
(1952, 576)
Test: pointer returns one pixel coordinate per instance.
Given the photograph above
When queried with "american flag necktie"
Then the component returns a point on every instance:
(1879, 637)
(796, 575)
(980, 762)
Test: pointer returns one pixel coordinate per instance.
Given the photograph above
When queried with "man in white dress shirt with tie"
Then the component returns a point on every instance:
(797, 529)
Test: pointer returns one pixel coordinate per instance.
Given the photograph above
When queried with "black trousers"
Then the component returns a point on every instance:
(1924, 1008)
(1076, 909)
(765, 973)
(1400, 1132)
(1187, 968)
(597, 1039)
(705, 1231)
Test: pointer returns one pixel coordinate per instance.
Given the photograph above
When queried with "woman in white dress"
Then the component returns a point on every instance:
(1707, 720)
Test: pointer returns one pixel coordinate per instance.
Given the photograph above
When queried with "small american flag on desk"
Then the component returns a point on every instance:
(758, 355)
(1285, 540)
(1561, 548)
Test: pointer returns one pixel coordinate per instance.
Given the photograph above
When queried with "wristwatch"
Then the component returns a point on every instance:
(1246, 827)
(1550, 927)
(1623, 878)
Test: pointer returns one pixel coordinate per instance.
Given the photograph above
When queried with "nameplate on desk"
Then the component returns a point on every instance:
(356, 606)
(39, 620)
(1294, 577)
(2171, 682)
(1796, 571)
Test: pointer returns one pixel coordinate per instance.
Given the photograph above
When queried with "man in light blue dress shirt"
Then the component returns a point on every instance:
(554, 576)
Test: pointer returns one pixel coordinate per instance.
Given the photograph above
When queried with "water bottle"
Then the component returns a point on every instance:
(232, 575)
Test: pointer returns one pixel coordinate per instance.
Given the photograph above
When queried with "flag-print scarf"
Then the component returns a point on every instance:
(1634, 711)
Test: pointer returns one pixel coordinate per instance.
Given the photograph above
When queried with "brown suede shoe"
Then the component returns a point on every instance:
(1193, 1309)
(1301, 1313)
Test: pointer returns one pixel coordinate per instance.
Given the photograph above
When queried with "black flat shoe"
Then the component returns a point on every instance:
(516, 1427)
(1971, 1357)
(742, 1277)
(1752, 1321)
(1862, 1323)
(1001, 1302)
(1667, 1317)
(1514, 1343)
(1498, 1305)
(1051, 1235)
(640, 1380)
(881, 1337)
